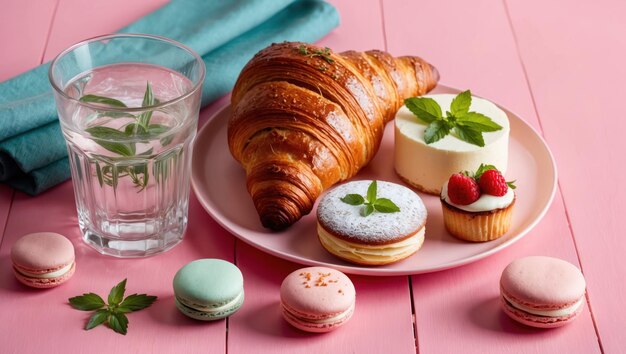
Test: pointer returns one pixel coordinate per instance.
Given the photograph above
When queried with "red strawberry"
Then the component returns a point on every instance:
(492, 182)
(462, 189)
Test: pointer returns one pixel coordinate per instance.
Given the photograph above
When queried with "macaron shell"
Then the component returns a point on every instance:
(208, 282)
(543, 282)
(317, 291)
(537, 321)
(207, 316)
(307, 326)
(44, 283)
(42, 252)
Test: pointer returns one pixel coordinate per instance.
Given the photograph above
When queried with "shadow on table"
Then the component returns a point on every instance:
(267, 319)
(487, 314)
(165, 312)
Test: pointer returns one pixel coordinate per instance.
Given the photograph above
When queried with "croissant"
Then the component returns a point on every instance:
(305, 118)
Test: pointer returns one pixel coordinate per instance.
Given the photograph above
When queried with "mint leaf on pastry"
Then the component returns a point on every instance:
(461, 103)
(424, 108)
(371, 202)
(468, 126)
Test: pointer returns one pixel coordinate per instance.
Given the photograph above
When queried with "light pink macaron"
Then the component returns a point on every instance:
(317, 299)
(43, 259)
(542, 292)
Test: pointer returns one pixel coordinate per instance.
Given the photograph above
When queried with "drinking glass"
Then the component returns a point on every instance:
(128, 106)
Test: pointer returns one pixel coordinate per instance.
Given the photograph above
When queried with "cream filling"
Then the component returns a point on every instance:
(55, 274)
(486, 202)
(334, 319)
(372, 252)
(546, 313)
(211, 309)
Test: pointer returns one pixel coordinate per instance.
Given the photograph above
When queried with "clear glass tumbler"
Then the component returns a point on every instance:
(128, 106)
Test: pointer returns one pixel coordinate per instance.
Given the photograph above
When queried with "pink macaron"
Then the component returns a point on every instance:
(317, 299)
(542, 292)
(43, 259)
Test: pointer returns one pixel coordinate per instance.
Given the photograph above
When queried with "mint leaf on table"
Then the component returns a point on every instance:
(102, 100)
(98, 318)
(371, 202)
(136, 302)
(118, 322)
(114, 312)
(117, 293)
(468, 126)
(87, 302)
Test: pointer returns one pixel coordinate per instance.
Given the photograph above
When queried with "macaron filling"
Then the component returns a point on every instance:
(374, 252)
(48, 275)
(211, 309)
(563, 312)
(338, 318)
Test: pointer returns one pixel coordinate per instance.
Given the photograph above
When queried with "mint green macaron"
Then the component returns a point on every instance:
(208, 289)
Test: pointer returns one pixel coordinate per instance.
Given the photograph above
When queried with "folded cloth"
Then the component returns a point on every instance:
(33, 156)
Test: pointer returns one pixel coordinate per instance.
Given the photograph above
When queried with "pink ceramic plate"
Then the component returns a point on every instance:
(219, 183)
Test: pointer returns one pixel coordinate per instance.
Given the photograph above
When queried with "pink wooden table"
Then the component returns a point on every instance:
(558, 64)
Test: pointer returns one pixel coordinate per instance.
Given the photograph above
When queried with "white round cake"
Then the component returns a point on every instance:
(427, 166)
(376, 239)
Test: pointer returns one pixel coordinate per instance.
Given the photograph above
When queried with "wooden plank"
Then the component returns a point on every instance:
(77, 20)
(463, 301)
(382, 321)
(22, 49)
(161, 328)
(575, 65)
(383, 307)
(24, 27)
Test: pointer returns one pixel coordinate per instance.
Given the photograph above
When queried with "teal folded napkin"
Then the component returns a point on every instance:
(33, 156)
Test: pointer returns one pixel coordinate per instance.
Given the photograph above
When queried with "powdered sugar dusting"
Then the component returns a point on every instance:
(346, 220)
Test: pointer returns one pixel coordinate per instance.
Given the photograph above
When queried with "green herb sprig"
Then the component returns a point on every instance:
(320, 53)
(140, 128)
(467, 126)
(371, 202)
(113, 313)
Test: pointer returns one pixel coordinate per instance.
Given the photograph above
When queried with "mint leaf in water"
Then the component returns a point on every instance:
(102, 100)
(468, 126)
(372, 203)
(114, 312)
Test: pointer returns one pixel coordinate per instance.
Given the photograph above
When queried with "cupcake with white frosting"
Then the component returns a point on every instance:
(478, 207)
(371, 223)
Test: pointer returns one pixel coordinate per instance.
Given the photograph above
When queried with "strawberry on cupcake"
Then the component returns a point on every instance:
(478, 206)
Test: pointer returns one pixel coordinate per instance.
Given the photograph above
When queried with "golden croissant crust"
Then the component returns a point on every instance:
(305, 118)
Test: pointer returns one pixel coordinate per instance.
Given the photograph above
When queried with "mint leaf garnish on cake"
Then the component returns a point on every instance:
(371, 202)
(114, 313)
(460, 121)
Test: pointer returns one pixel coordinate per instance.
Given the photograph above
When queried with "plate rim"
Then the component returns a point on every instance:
(372, 271)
